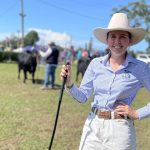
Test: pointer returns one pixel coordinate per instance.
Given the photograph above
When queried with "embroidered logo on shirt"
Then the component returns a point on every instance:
(126, 74)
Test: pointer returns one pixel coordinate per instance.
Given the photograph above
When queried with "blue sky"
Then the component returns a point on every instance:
(63, 21)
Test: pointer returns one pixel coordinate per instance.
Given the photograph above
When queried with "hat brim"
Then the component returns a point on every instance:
(137, 34)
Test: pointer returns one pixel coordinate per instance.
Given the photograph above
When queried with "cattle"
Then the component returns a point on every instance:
(82, 65)
(28, 63)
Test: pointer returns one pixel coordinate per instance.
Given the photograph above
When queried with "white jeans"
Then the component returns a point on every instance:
(112, 134)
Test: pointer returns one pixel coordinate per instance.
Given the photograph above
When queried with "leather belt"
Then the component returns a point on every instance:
(108, 114)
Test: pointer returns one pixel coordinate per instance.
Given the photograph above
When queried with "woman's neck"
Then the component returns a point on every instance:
(115, 61)
(118, 58)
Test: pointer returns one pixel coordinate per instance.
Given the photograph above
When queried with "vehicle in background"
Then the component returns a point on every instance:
(144, 57)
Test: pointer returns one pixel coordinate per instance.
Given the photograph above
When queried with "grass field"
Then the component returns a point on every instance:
(27, 114)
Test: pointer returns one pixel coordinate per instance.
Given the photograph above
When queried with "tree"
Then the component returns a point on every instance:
(11, 42)
(31, 38)
(139, 14)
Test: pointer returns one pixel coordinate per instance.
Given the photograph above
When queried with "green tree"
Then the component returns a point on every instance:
(14, 41)
(11, 42)
(31, 38)
(139, 14)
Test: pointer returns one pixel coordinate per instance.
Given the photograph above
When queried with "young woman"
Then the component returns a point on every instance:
(114, 80)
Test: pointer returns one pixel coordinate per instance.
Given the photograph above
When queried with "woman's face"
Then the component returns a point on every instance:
(118, 42)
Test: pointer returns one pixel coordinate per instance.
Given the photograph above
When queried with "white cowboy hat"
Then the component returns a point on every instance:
(119, 21)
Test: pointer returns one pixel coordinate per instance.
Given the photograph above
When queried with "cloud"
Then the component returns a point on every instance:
(48, 35)
(62, 39)
(4, 36)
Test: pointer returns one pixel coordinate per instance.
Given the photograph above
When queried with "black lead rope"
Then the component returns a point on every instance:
(58, 109)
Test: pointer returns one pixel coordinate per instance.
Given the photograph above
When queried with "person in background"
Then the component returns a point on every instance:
(114, 80)
(78, 54)
(70, 54)
(73, 53)
(51, 56)
(85, 53)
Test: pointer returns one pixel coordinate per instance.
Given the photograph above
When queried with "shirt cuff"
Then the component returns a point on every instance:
(69, 88)
(72, 90)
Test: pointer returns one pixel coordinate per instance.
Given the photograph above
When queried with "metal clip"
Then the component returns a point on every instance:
(112, 115)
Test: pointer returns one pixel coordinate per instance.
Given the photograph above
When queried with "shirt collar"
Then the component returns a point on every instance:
(129, 59)
(104, 59)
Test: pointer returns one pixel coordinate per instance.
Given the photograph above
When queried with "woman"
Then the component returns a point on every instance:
(114, 80)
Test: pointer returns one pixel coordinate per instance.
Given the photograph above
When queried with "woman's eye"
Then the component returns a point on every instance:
(113, 37)
(123, 37)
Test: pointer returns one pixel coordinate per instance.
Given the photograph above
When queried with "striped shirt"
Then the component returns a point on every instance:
(109, 87)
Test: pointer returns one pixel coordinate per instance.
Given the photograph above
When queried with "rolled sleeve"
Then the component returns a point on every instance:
(82, 93)
(145, 77)
(144, 112)
(76, 94)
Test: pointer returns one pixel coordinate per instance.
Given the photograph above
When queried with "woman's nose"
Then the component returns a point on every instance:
(117, 40)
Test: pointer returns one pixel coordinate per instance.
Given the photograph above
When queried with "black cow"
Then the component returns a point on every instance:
(82, 66)
(27, 62)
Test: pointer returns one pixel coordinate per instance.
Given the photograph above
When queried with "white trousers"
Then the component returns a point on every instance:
(112, 134)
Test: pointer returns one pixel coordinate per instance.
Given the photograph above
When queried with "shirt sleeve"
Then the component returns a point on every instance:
(82, 93)
(76, 94)
(45, 54)
(144, 112)
(145, 77)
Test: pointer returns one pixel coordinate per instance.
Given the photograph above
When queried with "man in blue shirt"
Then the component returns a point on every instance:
(114, 80)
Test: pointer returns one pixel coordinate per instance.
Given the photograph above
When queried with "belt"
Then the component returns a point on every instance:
(108, 114)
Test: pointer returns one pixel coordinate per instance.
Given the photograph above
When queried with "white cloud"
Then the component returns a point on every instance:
(62, 39)
(48, 35)
(4, 36)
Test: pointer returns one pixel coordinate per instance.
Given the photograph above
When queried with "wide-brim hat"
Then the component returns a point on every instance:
(119, 21)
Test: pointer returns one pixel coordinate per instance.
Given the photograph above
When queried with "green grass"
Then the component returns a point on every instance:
(27, 114)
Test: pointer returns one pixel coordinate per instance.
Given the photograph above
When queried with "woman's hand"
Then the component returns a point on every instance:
(66, 72)
(124, 109)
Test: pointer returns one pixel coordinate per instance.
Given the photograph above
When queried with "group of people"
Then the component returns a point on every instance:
(52, 57)
(114, 81)
(72, 55)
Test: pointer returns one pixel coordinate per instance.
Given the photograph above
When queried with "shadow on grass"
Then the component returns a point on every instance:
(40, 82)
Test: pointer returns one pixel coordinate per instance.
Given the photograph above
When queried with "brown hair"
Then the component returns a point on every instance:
(129, 34)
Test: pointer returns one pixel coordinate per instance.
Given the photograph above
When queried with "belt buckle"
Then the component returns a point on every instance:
(112, 115)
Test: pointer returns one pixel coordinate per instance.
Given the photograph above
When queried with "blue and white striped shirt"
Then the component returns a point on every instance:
(111, 87)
